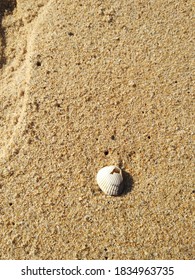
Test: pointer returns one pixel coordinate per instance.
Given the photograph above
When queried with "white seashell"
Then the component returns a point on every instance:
(110, 180)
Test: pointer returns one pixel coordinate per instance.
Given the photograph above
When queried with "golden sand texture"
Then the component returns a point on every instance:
(84, 84)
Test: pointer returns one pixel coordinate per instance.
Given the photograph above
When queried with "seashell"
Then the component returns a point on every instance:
(110, 180)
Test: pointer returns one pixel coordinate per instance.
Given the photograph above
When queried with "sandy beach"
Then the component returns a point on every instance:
(85, 84)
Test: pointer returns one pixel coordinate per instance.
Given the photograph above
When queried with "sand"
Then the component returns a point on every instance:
(84, 84)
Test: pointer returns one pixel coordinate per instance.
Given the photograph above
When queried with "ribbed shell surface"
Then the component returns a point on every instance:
(110, 180)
